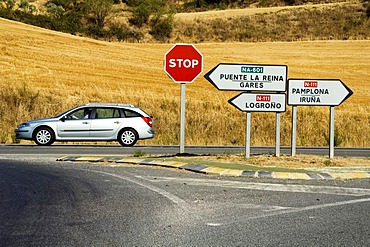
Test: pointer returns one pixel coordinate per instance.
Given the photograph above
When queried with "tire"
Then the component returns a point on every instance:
(44, 136)
(127, 137)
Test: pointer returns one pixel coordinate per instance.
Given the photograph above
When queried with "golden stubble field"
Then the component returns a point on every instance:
(45, 72)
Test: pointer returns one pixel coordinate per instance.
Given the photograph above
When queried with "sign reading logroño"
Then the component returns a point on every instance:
(258, 102)
(248, 77)
(317, 92)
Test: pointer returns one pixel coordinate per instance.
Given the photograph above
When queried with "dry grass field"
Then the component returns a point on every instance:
(43, 73)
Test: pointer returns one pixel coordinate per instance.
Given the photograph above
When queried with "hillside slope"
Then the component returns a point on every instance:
(331, 21)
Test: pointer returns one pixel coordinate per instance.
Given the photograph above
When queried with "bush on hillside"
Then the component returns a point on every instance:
(124, 33)
(54, 10)
(161, 27)
(140, 15)
(98, 10)
(27, 7)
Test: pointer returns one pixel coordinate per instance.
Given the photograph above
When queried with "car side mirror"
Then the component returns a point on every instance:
(63, 119)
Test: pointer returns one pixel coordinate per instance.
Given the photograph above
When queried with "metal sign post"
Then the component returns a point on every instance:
(182, 118)
(248, 136)
(277, 142)
(331, 133)
(294, 130)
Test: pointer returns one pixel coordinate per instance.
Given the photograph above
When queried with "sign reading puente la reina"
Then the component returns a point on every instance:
(248, 77)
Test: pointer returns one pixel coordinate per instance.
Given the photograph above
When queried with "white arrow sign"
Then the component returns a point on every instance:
(248, 77)
(317, 92)
(258, 102)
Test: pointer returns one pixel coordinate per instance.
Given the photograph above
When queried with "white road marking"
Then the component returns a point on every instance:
(213, 224)
(175, 199)
(273, 187)
(238, 220)
(302, 209)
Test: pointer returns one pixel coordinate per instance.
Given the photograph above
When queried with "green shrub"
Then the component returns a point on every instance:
(54, 10)
(9, 4)
(27, 7)
(338, 139)
(124, 33)
(140, 15)
(139, 153)
(66, 4)
(95, 31)
(368, 10)
(161, 27)
(132, 3)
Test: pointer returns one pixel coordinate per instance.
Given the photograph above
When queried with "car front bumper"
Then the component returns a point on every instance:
(25, 134)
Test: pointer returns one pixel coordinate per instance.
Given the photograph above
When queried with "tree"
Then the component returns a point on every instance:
(161, 26)
(9, 4)
(99, 9)
(141, 14)
(27, 7)
(54, 10)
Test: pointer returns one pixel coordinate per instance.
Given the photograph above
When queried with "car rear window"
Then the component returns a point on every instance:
(129, 113)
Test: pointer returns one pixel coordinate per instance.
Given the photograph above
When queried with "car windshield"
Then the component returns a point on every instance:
(63, 113)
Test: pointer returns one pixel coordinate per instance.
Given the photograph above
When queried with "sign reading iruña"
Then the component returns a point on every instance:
(317, 92)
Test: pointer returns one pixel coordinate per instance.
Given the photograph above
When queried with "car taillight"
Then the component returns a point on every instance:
(148, 120)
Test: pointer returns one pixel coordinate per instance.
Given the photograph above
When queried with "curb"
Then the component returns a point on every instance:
(222, 171)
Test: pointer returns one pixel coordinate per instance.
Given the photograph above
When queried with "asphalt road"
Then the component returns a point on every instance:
(59, 150)
(49, 203)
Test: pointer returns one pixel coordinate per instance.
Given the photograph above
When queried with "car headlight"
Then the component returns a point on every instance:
(22, 125)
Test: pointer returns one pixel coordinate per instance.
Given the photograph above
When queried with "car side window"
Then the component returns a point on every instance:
(129, 113)
(83, 113)
(102, 113)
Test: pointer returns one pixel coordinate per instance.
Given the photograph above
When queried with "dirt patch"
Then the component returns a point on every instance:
(284, 161)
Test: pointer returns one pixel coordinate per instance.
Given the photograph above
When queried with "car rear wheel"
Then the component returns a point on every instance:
(44, 136)
(127, 137)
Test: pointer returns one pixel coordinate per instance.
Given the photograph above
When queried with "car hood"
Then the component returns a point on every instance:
(42, 120)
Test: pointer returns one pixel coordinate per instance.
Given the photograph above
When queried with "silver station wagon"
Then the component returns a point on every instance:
(91, 122)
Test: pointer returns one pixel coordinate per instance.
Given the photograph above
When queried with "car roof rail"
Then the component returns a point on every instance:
(109, 104)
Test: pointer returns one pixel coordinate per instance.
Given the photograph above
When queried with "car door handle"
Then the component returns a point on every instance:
(117, 122)
(85, 122)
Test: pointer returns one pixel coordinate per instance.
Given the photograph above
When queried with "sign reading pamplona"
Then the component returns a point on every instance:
(317, 92)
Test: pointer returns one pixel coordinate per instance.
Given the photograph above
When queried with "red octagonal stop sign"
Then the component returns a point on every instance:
(183, 63)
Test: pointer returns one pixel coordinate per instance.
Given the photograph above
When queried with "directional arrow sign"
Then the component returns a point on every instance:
(258, 102)
(248, 77)
(317, 92)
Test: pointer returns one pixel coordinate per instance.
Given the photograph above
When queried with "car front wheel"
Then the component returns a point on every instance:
(44, 136)
(127, 137)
